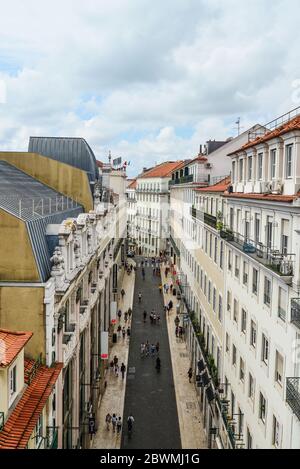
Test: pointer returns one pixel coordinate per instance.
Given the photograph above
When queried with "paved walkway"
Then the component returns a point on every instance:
(113, 399)
(150, 395)
(191, 427)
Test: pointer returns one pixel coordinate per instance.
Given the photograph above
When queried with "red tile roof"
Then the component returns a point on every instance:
(162, 170)
(221, 186)
(11, 344)
(132, 185)
(270, 197)
(23, 419)
(199, 157)
(293, 124)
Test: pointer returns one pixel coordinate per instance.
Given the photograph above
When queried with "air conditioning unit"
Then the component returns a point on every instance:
(207, 165)
(265, 187)
(277, 187)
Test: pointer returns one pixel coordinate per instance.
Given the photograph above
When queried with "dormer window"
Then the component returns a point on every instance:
(260, 166)
(250, 168)
(288, 160)
(273, 164)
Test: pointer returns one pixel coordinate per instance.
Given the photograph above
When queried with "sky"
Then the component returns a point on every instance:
(147, 80)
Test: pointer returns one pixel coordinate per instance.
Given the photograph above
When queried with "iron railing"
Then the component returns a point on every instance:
(293, 394)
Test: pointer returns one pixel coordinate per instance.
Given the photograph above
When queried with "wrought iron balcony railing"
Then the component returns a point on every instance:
(295, 312)
(293, 394)
(208, 219)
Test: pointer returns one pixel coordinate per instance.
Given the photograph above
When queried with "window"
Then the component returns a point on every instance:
(229, 260)
(251, 387)
(209, 291)
(220, 313)
(255, 281)
(228, 301)
(39, 430)
(245, 273)
(288, 160)
(249, 439)
(262, 408)
(237, 267)
(221, 254)
(265, 350)
(250, 168)
(205, 284)
(233, 171)
(284, 236)
(267, 291)
(257, 229)
(242, 370)
(13, 381)
(206, 241)
(210, 245)
(273, 164)
(281, 303)
(244, 321)
(214, 299)
(276, 433)
(227, 343)
(233, 354)
(269, 232)
(278, 368)
(253, 334)
(235, 310)
(216, 250)
(260, 166)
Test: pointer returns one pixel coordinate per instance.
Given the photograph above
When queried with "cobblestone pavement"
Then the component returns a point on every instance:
(150, 395)
(113, 399)
(191, 427)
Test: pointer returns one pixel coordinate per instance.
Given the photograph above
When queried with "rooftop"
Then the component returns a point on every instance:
(265, 197)
(162, 170)
(11, 344)
(132, 184)
(23, 419)
(221, 186)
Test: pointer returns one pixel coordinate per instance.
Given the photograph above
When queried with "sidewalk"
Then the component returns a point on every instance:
(113, 399)
(191, 427)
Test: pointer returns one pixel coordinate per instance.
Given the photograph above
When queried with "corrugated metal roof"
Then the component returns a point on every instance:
(73, 151)
(37, 205)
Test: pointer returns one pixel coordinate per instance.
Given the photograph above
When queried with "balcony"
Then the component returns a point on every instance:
(182, 180)
(295, 312)
(280, 263)
(293, 395)
(206, 217)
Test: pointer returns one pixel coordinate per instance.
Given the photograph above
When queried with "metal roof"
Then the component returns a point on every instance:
(73, 151)
(37, 205)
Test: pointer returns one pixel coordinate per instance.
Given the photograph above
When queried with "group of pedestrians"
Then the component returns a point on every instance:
(149, 350)
(127, 315)
(115, 368)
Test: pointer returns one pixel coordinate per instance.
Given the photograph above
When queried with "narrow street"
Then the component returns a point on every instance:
(150, 395)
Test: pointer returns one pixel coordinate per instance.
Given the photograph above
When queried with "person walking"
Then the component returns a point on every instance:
(115, 360)
(176, 331)
(123, 293)
(123, 332)
(153, 348)
(145, 315)
(119, 330)
(117, 371)
(125, 316)
(114, 422)
(170, 304)
(140, 297)
(119, 315)
(129, 313)
(157, 347)
(128, 331)
(119, 425)
(190, 375)
(107, 421)
(123, 369)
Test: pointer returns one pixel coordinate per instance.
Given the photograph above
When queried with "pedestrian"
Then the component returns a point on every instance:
(107, 421)
(128, 331)
(116, 371)
(158, 318)
(140, 297)
(154, 271)
(125, 316)
(152, 349)
(114, 422)
(129, 313)
(115, 360)
(131, 267)
(119, 330)
(145, 315)
(111, 366)
(142, 348)
(119, 425)
(123, 369)
(160, 288)
(190, 375)
(123, 332)
(177, 321)
(180, 332)
(171, 288)
(157, 347)
(119, 314)
(123, 293)
(167, 288)
(176, 331)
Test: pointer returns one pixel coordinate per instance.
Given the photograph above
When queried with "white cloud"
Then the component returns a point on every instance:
(130, 75)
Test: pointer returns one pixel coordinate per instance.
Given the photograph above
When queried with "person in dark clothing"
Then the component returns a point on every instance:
(145, 315)
(190, 375)
(123, 369)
